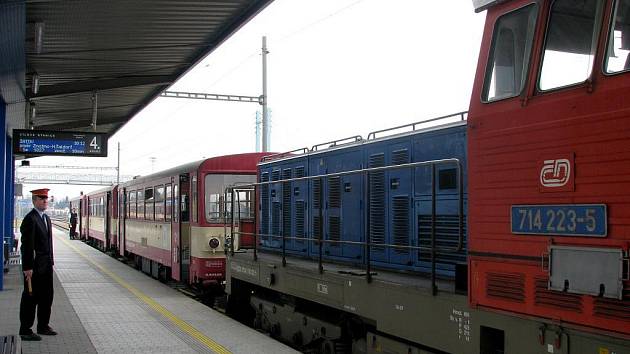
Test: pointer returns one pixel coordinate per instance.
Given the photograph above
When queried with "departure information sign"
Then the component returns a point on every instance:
(60, 143)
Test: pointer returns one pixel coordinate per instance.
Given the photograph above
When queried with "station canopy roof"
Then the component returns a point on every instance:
(127, 52)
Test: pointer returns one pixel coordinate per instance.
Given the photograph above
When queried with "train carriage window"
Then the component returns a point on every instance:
(617, 59)
(140, 204)
(149, 201)
(168, 211)
(570, 44)
(216, 201)
(512, 40)
(193, 207)
(131, 208)
(159, 203)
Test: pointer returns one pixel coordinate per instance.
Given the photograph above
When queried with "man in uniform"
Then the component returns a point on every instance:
(73, 223)
(37, 265)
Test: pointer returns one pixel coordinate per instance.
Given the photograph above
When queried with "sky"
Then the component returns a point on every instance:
(336, 68)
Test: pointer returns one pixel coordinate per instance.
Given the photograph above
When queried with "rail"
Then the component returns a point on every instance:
(367, 244)
(333, 143)
(283, 154)
(463, 115)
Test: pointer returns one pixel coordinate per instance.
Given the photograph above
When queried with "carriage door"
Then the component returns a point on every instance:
(80, 218)
(107, 216)
(172, 215)
(122, 217)
(184, 229)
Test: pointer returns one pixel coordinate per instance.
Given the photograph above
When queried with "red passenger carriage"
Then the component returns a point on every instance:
(101, 221)
(172, 222)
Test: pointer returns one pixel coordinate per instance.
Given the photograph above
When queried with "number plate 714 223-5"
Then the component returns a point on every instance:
(560, 220)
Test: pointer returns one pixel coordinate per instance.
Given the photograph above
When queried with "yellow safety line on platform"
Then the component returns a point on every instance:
(183, 325)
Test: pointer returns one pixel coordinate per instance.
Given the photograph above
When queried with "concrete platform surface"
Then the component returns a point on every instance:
(104, 306)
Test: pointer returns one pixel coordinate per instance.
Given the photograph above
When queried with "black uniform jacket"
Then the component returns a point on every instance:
(36, 249)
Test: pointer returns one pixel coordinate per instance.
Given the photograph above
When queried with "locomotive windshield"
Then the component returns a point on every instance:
(619, 39)
(511, 48)
(215, 197)
(570, 44)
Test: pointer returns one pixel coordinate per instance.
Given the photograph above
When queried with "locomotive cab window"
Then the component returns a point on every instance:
(617, 59)
(570, 44)
(512, 39)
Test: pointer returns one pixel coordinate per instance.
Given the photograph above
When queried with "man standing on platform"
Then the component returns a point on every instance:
(37, 265)
(73, 223)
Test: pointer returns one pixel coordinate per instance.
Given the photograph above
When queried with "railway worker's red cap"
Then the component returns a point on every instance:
(43, 192)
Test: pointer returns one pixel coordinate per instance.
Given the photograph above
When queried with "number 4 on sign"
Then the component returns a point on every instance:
(93, 143)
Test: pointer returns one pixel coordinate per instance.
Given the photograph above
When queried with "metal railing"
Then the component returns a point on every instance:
(367, 244)
(413, 126)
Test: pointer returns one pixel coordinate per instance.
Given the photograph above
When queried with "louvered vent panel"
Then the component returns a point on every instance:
(286, 204)
(506, 286)
(275, 220)
(446, 237)
(611, 308)
(334, 192)
(317, 193)
(377, 201)
(316, 227)
(549, 298)
(400, 222)
(400, 157)
(299, 219)
(275, 175)
(264, 177)
(334, 229)
(299, 172)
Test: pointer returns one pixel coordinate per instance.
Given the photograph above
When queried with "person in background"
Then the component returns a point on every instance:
(73, 223)
(37, 265)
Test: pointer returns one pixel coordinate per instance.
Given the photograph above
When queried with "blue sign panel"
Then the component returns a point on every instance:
(560, 220)
(41, 142)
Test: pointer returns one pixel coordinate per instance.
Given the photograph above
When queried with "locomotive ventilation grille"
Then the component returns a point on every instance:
(377, 201)
(299, 172)
(612, 308)
(286, 203)
(334, 229)
(446, 238)
(400, 157)
(506, 286)
(275, 220)
(264, 224)
(400, 223)
(555, 299)
(334, 192)
(299, 220)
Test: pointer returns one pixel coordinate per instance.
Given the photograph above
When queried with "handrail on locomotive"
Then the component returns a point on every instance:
(233, 191)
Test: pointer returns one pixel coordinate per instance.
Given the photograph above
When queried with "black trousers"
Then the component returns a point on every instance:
(41, 300)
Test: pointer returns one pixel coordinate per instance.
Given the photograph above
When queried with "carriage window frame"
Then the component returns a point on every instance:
(525, 68)
(597, 23)
(194, 205)
(168, 202)
(140, 204)
(610, 42)
(149, 201)
(160, 202)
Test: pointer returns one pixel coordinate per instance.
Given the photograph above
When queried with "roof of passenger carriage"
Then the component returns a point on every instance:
(126, 51)
(237, 163)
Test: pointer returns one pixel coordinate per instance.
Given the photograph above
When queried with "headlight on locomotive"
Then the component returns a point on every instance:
(214, 242)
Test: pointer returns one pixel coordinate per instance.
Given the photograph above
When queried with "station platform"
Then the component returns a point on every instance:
(102, 305)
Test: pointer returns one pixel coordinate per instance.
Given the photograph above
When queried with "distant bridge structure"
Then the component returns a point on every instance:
(73, 175)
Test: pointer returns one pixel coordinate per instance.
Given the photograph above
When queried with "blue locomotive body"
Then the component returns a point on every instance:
(390, 209)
